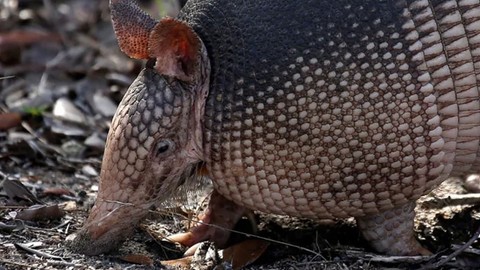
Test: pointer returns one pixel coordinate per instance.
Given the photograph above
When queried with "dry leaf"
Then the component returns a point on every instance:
(181, 263)
(16, 190)
(10, 120)
(23, 37)
(41, 212)
(56, 191)
(137, 259)
(245, 253)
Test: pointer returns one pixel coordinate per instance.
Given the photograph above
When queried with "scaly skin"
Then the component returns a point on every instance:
(338, 109)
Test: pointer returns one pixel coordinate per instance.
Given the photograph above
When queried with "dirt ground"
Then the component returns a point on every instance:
(61, 77)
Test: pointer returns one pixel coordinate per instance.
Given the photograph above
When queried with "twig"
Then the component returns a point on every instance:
(470, 250)
(64, 263)
(42, 140)
(372, 257)
(452, 199)
(36, 252)
(398, 259)
(455, 253)
(15, 263)
(12, 207)
(65, 223)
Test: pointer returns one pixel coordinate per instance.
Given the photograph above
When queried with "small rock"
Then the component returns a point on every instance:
(73, 149)
(94, 188)
(472, 183)
(104, 105)
(12, 214)
(89, 170)
(95, 141)
(66, 110)
(70, 206)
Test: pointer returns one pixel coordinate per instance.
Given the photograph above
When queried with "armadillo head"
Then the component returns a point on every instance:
(155, 140)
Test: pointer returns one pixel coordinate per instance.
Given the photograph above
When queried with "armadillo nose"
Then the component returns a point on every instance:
(83, 242)
(105, 229)
(94, 238)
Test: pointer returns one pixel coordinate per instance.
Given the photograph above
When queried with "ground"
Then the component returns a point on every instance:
(61, 76)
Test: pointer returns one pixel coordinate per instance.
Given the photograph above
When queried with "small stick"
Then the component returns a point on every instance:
(455, 253)
(452, 199)
(39, 253)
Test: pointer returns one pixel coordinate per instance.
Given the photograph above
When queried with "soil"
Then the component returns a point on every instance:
(61, 76)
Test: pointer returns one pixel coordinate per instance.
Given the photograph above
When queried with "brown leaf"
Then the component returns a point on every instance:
(137, 259)
(41, 212)
(181, 263)
(24, 37)
(245, 253)
(56, 191)
(9, 120)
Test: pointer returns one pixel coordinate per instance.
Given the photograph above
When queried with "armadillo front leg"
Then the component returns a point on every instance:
(391, 231)
(216, 223)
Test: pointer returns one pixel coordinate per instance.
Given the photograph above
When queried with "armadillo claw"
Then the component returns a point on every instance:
(196, 235)
(216, 223)
(391, 232)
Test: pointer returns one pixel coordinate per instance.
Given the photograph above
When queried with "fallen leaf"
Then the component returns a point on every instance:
(55, 191)
(245, 253)
(137, 259)
(22, 37)
(41, 212)
(10, 120)
(181, 263)
(16, 189)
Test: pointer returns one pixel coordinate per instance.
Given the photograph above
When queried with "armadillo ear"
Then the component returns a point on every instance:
(132, 27)
(176, 47)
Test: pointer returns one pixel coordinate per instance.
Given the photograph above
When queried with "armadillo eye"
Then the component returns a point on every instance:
(164, 147)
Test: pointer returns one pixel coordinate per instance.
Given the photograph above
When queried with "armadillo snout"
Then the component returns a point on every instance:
(106, 227)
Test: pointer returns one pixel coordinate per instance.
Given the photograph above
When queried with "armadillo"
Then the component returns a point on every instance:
(315, 109)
